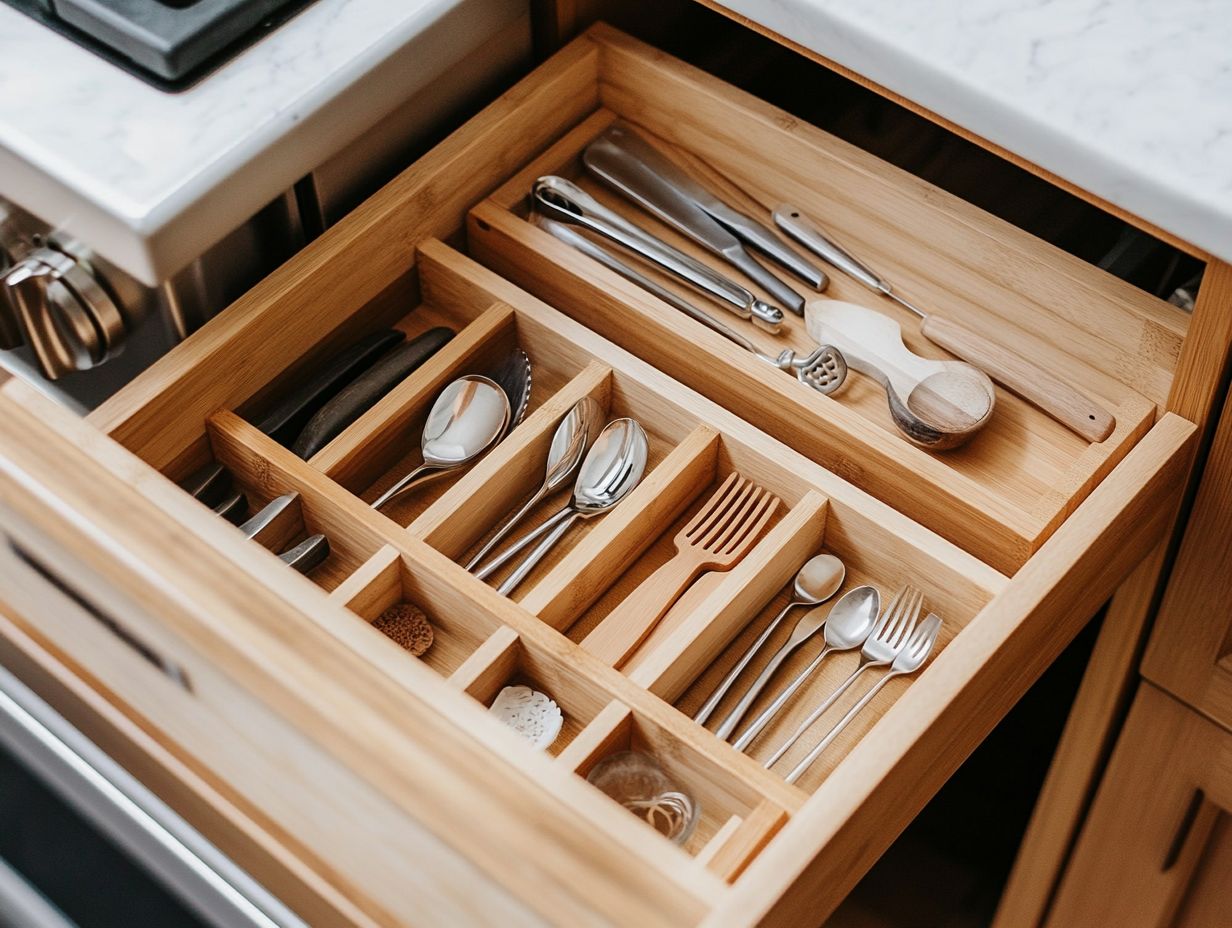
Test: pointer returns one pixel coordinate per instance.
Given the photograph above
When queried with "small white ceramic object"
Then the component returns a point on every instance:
(530, 713)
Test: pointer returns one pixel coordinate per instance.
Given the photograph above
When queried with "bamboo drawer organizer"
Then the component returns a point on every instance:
(368, 787)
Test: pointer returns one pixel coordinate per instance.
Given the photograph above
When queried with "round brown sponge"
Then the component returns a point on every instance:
(407, 626)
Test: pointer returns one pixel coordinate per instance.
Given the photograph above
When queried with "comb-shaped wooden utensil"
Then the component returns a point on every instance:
(717, 538)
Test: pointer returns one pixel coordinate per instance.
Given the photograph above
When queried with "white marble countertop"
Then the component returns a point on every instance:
(145, 176)
(1128, 99)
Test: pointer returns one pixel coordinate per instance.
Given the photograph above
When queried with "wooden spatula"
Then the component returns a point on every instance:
(716, 538)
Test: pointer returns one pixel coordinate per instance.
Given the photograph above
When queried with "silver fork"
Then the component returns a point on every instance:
(910, 659)
(884, 642)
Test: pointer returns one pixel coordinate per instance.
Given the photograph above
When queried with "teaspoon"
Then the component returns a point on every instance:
(569, 443)
(816, 581)
(612, 468)
(846, 627)
(469, 416)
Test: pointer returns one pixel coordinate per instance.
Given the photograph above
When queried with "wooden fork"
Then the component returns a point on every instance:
(717, 538)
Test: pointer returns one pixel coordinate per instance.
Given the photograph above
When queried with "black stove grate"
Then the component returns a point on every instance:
(170, 44)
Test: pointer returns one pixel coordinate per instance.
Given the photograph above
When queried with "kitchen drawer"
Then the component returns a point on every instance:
(371, 787)
(1190, 651)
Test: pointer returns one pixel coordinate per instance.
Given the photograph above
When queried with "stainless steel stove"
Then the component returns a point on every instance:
(168, 43)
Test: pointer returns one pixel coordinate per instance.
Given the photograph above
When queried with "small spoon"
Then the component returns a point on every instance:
(847, 625)
(569, 443)
(467, 418)
(612, 468)
(816, 581)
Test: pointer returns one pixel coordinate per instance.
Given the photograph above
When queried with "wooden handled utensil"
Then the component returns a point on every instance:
(1033, 383)
(717, 538)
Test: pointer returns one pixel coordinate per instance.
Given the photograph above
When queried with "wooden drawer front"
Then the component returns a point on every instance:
(1163, 809)
(1190, 652)
(402, 746)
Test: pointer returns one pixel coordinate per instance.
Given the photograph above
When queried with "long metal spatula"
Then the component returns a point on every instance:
(1033, 383)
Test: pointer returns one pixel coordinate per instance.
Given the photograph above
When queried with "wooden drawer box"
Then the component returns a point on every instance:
(368, 787)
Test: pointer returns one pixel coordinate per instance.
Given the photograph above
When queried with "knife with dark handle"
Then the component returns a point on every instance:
(632, 166)
(366, 390)
(289, 415)
(288, 418)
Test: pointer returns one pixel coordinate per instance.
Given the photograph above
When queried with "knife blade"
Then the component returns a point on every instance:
(628, 163)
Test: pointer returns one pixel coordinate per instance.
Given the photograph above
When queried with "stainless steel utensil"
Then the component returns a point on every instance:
(569, 444)
(563, 200)
(847, 625)
(272, 516)
(233, 508)
(515, 376)
(817, 580)
(824, 369)
(612, 468)
(935, 404)
(887, 638)
(627, 162)
(469, 416)
(1032, 382)
(308, 554)
(910, 659)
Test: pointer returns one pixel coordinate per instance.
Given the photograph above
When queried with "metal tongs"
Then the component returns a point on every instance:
(625, 161)
(564, 201)
(824, 369)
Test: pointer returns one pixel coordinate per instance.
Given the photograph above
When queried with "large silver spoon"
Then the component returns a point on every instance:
(612, 468)
(846, 627)
(816, 581)
(569, 443)
(469, 416)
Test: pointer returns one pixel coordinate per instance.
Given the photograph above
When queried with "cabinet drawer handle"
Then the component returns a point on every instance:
(1183, 830)
(171, 669)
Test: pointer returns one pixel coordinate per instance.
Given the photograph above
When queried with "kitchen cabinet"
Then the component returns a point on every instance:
(1154, 849)
(368, 788)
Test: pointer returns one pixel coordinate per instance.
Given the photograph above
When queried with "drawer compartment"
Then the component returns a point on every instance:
(1001, 494)
(375, 771)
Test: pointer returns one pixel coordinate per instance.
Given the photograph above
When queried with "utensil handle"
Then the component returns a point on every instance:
(613, 263)
(764, 240)
(780, 291)
(523, 543)
(792, 221)
(405, 484)
(817, 714)
(750, 652)
(507, 526)
(733, 718)
(537, 555)
(1074, 410)
(838, 728)
(616, 638)
(564, 201)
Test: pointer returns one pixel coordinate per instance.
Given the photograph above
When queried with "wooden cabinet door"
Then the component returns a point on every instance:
(1154, 852)
(1190, 652)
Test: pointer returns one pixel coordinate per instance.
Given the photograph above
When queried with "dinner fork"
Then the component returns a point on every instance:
(910, 659)
(887, 638)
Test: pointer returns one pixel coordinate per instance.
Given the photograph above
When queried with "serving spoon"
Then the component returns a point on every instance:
(469, 416)
(612, 468)
(569, 443)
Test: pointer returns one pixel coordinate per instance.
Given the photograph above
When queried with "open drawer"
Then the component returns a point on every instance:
(366, 786)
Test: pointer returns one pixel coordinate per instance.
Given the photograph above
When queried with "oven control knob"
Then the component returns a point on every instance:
(64, 314)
